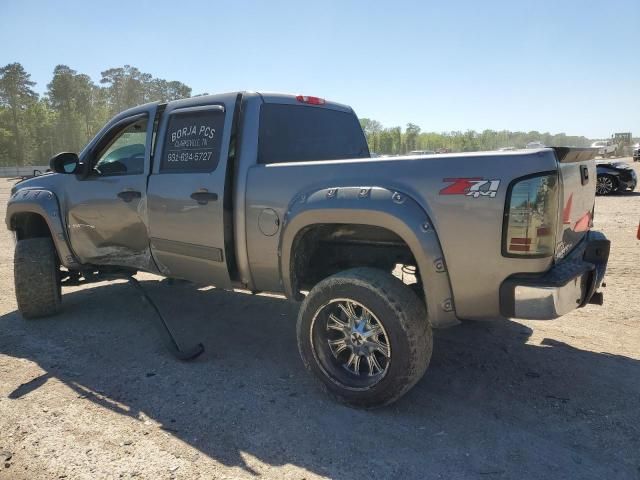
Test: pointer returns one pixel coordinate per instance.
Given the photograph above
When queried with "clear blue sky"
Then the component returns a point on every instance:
(561, 65)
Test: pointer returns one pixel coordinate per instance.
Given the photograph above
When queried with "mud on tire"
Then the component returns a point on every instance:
(394, 307)
(36, 277)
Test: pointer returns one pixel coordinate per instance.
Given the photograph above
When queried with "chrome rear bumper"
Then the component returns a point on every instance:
(569, 284)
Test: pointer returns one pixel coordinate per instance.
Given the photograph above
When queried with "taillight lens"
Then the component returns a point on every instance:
(531, 217)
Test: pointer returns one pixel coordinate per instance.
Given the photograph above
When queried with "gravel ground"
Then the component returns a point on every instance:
(91, 393)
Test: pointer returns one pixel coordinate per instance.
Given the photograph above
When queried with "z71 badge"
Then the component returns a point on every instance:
(471, 187)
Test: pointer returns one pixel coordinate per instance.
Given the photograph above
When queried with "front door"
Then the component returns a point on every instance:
(186, 193)
(106, 209)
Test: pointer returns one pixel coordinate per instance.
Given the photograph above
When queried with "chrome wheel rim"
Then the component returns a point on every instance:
(604, 185)
(350, 344)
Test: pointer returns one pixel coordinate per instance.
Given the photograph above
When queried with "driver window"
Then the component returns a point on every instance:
(124, 154)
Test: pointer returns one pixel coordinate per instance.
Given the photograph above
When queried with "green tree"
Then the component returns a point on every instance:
(411, 136)
(63, 93)
(177, 90)
(127, 87)
(40, 125)
(124, 87)
(386, 142)
(372, 129)
(73, 109)
(87, 102)
(16, 95)
(396, 134)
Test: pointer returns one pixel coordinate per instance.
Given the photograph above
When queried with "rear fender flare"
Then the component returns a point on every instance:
(376, 206)
(44, 203)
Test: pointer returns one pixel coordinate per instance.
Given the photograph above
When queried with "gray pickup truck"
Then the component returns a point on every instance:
(278, 193)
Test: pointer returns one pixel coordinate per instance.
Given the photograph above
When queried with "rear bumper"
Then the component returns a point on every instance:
(569, 284)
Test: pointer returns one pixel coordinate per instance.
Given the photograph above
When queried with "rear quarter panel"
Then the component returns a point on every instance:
(469, 229)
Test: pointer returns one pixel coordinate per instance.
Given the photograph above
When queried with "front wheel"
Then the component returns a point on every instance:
(365, 335)
(606, 185)
(36, 273)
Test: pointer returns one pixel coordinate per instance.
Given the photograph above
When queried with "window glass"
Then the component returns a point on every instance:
(193, 141)
(296, 133)
(124, 155)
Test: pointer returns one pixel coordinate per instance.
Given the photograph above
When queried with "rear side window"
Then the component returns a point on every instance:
(297, 133)
(193, 140)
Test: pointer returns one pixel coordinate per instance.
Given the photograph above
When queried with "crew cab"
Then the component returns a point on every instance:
(278, 193)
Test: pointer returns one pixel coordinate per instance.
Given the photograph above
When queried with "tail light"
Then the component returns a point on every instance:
(531, 216)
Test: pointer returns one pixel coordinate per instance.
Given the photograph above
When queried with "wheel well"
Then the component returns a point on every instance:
(29, 225)
(322, 250)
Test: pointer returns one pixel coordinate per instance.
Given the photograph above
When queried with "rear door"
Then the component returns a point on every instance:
(186, 192)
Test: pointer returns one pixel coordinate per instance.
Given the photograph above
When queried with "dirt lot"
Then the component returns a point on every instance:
(92, 393)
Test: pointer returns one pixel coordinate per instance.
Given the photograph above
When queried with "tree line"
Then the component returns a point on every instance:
(395, 141)
(34, 127)
(73, 108)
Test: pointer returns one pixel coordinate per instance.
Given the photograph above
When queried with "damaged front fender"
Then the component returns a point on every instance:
(44, 203)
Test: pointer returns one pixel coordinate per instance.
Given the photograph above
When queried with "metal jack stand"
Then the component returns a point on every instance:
(168, 338)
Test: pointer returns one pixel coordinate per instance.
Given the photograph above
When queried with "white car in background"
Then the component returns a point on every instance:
(536, 144)
(606, 148)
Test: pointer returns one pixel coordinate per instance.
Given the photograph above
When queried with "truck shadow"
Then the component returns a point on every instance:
(490, 403)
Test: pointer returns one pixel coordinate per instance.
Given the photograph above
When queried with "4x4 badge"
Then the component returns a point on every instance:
(471, 187)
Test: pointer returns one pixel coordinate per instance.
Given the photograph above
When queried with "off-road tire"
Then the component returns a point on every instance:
(403, 317)
(36, 277)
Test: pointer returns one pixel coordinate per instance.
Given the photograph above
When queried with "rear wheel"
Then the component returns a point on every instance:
(37, 277)
(606, 185)
(365, 335)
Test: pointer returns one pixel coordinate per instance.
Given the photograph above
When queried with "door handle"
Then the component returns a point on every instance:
(203, 197)
(584, 174)
(128, 195)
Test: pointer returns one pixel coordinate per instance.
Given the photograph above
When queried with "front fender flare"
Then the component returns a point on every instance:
(44, 203)
(376, 206)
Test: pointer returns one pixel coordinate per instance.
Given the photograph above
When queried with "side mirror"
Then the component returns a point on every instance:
(65, 162)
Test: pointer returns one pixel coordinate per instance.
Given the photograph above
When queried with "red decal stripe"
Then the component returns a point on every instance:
(459, 186)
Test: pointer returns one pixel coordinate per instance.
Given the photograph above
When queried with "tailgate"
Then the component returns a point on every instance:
(577, 169)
